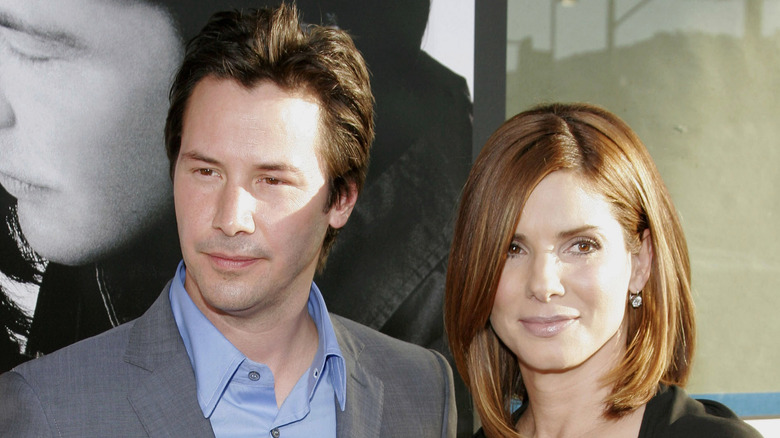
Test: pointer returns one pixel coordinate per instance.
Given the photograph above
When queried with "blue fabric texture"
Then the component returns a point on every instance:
(237, 394)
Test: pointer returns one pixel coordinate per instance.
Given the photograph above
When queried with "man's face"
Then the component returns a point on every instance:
(83, 87)
(251, 197)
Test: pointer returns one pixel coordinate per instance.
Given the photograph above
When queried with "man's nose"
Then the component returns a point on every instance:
(235, 211)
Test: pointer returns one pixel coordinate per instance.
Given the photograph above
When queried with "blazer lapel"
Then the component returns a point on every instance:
(165, 398)
(362, 416)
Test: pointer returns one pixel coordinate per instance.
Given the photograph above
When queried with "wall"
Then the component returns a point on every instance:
(697, 81)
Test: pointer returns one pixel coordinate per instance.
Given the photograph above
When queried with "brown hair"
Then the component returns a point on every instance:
(273, 45)
(609, 156)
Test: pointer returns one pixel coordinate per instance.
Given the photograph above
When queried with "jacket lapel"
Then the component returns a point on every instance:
(165, 398)
(362, 416)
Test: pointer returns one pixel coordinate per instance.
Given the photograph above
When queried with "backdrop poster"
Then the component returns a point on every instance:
(88, 235)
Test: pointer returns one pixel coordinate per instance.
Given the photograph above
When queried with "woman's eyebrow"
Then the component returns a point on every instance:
(561, 235)
(573, 232)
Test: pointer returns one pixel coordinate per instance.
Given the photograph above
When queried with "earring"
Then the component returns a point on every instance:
(635, 299)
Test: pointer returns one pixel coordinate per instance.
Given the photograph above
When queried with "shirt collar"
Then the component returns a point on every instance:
(214, 359)
(328, 352)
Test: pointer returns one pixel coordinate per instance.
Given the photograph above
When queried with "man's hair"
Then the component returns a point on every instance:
(608, 156)
(272, 45)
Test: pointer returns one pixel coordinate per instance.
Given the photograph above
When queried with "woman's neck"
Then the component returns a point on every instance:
(571, 402)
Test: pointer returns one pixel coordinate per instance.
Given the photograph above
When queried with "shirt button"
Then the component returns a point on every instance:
(254, 376)
(275, 432)
(316, 373)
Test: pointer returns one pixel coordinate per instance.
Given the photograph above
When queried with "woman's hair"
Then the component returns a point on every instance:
(611, 159)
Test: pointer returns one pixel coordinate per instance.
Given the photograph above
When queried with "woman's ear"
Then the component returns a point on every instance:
(641, 263)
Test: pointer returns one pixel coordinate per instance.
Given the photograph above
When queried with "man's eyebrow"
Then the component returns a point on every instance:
(52, 35)
(198, 157)
(280, 167)
(271, 166)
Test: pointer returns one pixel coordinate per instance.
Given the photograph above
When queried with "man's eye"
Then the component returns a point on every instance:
(206, 172)
(270, 180)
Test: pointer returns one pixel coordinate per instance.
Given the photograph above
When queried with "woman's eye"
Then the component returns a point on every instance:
(585, 246)
(514, 249)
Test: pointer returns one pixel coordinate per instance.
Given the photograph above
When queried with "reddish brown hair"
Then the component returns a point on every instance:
(609, 156)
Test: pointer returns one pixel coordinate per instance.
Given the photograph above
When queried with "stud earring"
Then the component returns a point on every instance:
(635, 299)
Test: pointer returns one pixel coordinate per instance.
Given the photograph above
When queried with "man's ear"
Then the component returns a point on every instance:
(342, 208)
(642, 263)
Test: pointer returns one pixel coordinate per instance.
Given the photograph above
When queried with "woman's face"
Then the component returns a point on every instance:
(562, 295)
(83, 99)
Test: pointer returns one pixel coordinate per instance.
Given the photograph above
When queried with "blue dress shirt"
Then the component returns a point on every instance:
(237, 394)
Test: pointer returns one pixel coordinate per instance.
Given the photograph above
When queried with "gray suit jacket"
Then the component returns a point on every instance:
(136, 380)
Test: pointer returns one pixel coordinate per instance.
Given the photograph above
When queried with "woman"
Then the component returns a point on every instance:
(568, 286)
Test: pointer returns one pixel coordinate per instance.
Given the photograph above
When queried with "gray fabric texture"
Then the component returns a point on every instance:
(136, 380)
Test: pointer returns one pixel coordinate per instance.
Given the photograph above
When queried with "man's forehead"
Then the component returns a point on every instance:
(274, 90)
(275, 119)
(213, 94)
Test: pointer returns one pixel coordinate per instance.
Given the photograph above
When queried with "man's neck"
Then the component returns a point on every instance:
(285, 340)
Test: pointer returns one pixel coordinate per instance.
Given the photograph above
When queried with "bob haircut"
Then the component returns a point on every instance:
(274, 45)
(611, 159)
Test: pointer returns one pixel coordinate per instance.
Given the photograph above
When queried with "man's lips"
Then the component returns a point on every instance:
(231, 261)
(547, 326)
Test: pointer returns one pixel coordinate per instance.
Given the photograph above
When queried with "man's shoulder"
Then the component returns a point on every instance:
(378, 351)
(103, 356)
(92, 356)
(373, 339)
(117, 383)
(413, 385)
(55, 391)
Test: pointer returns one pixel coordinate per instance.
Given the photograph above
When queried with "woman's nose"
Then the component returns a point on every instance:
(545, 281)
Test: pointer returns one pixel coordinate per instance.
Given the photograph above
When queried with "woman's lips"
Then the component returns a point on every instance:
(546, 327)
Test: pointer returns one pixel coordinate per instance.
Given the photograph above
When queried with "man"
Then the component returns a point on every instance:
(267, 136)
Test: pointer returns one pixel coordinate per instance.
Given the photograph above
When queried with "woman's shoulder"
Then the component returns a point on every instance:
(672, 413)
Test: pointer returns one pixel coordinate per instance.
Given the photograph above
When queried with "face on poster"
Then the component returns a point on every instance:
(83, 96)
